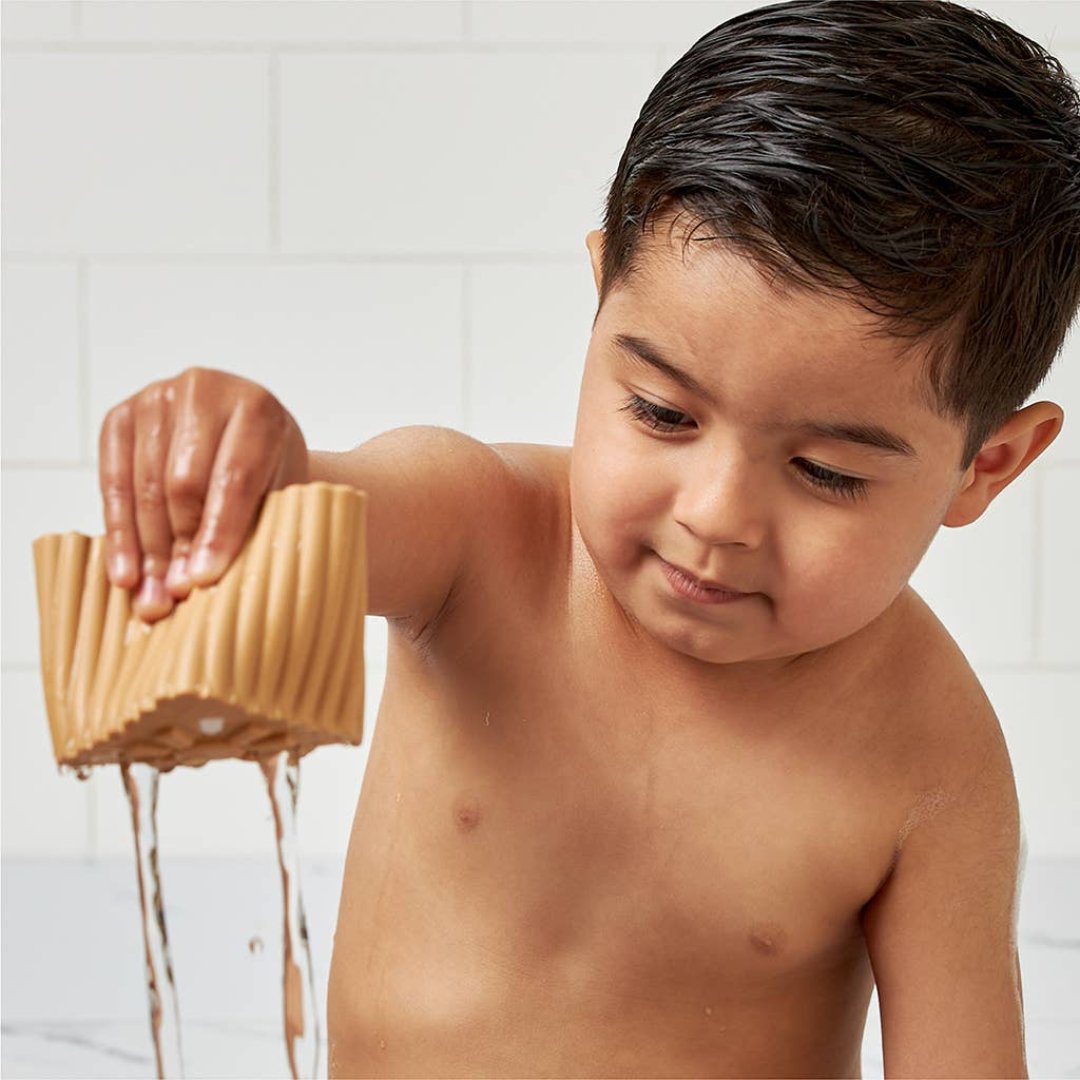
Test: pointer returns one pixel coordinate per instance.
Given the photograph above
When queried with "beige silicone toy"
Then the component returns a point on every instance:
(269, 658)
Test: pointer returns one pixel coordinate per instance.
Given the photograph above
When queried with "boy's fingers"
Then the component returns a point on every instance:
(153, 430)
(247, 458)
(177, 580)
(115, 447)
(197, 432)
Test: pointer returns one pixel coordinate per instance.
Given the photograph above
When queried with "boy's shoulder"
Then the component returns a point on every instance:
(945, 735)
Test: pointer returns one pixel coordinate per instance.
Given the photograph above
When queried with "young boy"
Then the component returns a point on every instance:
(671, 764)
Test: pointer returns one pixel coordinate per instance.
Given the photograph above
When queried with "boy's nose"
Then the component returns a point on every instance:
(730, 505)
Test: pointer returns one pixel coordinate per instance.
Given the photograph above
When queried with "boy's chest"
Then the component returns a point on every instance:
(633, 842)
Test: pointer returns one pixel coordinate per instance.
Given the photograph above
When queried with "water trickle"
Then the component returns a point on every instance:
(282, 772)
(141, 785)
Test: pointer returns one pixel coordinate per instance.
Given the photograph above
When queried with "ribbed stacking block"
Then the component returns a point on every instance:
(268, 658)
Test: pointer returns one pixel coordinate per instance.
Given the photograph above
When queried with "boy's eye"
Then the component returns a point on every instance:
(654, 415)
(661, 419)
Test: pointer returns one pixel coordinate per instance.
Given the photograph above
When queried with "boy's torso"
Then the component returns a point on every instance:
(557, 868)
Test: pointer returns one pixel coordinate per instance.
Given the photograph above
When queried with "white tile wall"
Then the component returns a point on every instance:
(31, 20)
(133, 152)
(463, 161)
(352, 348)
(39, 332)
(342, 201)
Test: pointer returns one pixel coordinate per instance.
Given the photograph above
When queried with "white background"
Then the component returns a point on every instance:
(378, 211)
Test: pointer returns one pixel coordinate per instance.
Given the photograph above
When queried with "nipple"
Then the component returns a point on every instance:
(467, 814)
(767, 937)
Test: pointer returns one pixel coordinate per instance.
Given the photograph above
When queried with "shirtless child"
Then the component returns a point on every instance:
(614, 824)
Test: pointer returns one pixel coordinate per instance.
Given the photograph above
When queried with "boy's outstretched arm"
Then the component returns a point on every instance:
(941, 931)
(432, 494)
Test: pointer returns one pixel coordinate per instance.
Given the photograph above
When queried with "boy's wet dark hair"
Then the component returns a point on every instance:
(921, 157)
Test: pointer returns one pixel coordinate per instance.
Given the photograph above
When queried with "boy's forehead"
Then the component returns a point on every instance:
(704, 268)
(710, 293)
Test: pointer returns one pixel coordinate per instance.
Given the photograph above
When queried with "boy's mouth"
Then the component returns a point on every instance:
(678, 575)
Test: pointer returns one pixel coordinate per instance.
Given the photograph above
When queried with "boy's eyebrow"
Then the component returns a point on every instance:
(873, 435)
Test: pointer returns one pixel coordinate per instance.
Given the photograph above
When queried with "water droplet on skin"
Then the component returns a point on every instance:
(487, 720)
(397, 798)
(708, 1010)
(255, 945)
(382, 1044)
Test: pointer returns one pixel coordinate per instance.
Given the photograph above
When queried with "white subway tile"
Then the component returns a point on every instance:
(37, 21)
(530, 330)
(1059, 607)
(290, 22)
(1062, 385)
(44, 813)
(452, 153)
(135, 153)
(1038, 712)
(600, 22)
(41, 402)
(350, 350)
(38, 501)
(979, 579)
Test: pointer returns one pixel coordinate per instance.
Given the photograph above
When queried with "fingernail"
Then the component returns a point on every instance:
(152, 594)
(177, 577)
(121, 566)
(202, 563)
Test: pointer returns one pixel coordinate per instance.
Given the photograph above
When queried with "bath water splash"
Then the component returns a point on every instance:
(141, 785)
(282, 773)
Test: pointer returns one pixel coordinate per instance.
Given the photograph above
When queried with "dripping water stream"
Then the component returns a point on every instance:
(141, 785)
(282, 773)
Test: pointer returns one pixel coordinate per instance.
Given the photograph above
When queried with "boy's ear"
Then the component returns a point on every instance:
(1004, 456)
(594, 241)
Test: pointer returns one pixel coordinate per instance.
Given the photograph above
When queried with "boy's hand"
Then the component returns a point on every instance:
(183, 467)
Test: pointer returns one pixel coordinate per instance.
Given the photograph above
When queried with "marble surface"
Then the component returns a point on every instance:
(73, 1000)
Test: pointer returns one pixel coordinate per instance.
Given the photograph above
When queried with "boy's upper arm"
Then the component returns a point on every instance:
(430, 490)
(941, 931)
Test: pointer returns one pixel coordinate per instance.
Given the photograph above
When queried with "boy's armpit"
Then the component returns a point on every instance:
(430, 489)
(941, 930)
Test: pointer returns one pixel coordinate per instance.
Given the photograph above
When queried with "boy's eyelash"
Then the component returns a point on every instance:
(661, 419)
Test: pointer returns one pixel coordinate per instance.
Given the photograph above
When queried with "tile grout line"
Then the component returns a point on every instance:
(273, 142)
(87, 452)
(261, 258)
(466, 343)
(337, 48)
(1037, 572)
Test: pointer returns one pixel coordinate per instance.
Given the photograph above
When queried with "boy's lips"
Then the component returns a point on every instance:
(704, 583)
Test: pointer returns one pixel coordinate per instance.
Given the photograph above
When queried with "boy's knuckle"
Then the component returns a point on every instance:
(184, 488)
(265, 410)
(149, 495)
